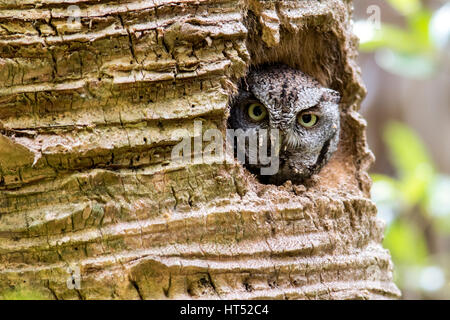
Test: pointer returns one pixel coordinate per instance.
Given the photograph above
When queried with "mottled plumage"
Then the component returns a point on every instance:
(289, 97)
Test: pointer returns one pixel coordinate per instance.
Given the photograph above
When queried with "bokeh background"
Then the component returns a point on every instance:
(405, 62)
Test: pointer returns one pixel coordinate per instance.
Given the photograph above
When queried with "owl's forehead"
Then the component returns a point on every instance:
(284, 89)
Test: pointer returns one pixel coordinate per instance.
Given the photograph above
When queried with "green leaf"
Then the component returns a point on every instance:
(406, 243)
(388, 36)
(385, 179)
(411, 66)
(419, 25)
(413, 41)
(411, 160)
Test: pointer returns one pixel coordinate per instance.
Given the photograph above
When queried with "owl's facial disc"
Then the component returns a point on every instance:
(305, 113)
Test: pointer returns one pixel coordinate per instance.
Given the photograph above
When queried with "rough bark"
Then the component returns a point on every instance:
(89, 115)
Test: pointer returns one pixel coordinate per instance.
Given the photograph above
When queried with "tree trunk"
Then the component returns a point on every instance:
(91, 204)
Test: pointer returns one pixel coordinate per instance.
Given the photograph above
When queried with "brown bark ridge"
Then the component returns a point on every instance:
(89, 113)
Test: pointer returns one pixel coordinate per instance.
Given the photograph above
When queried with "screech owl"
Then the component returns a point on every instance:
(305, 113)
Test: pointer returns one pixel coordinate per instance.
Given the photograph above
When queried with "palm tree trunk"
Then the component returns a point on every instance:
(92, 97)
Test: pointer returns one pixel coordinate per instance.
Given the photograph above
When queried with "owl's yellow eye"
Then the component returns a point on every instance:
(307, 120)
(257, 112)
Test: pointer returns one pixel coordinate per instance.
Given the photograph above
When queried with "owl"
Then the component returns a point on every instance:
(305, 113)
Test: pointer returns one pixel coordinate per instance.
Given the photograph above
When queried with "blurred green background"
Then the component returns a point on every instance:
(405, 62)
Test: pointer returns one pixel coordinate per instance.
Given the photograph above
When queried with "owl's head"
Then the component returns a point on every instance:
(305, 113)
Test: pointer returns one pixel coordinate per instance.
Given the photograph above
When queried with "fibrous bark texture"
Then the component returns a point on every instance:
(92, 96)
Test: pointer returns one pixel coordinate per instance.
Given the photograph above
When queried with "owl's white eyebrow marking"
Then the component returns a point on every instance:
(307, 98)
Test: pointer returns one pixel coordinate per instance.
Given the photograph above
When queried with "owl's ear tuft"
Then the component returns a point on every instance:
(332, 95)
